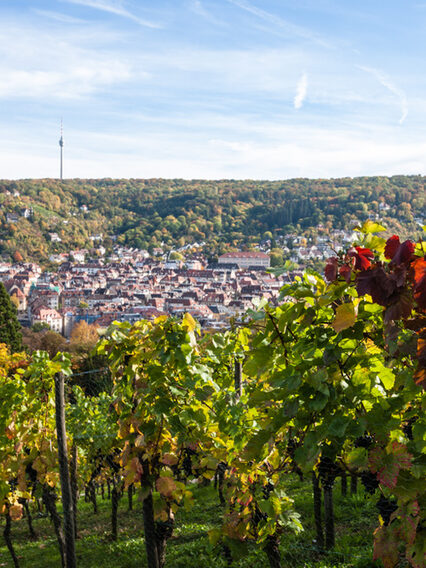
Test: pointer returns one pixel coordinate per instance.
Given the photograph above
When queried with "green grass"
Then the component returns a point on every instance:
(189, 547)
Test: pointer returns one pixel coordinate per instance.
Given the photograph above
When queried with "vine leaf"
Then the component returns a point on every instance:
(169, 459)
(330, 270)
(419, 268)
(370, 227)
(189, 322)
(16, 512)
(346, 272)
(345, 317)
(400, 309)
(420, 375)
(387, 464)
(377, 284)
(392, 245)
(165, 486)
(404, 253)
(385, 547)
(362, 256)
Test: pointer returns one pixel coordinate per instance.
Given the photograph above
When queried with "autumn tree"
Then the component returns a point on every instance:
(15, 301)
(31, 339)
(83, 337)
(53, 342)
(9, 326)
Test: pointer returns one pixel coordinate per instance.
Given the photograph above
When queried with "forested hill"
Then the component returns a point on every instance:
(146, 213)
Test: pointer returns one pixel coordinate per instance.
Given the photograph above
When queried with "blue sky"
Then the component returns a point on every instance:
(266, 89)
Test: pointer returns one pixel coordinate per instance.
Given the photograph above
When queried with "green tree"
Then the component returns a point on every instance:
(40, 326)
(276, 257)
(9, 326)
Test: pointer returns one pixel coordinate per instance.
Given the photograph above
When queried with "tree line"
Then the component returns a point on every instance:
(156, 212)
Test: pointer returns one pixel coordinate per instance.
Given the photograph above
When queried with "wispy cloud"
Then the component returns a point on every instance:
(198, 8)
(388, 84)
(59, 17)
(76, 81)
(116, 8)
(302, 90)
(289, 28)
(38, 63)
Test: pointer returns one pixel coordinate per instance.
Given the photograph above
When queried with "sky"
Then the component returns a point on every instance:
(214, 89)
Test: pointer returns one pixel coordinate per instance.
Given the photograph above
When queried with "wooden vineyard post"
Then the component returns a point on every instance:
(237, 377)
(67, 499)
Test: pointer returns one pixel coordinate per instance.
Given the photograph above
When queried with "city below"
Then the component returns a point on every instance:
(130, 284)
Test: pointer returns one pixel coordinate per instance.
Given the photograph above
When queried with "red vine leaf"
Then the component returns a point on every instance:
(401, 309)
(392, 245)
(346, 272)
(421, 350)
(330, 270)
(362, 256)
(419, 269)
(377, 284)
(420, 376)
(404, 253)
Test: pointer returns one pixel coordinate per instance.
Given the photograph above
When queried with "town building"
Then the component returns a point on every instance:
(246, 259)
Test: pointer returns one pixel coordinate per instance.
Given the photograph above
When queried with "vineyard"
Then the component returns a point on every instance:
(295, 438)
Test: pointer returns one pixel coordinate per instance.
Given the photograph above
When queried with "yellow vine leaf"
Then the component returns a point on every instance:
(345, 317)
(370, 227)
(189, 322)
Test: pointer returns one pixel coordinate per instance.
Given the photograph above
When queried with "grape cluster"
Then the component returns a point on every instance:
(258, 516)
(292, 446)
(267, 490)
(386, 507)
(369, 481)
(407, 428)
(364, 441)
(328, 470)
(187, 461)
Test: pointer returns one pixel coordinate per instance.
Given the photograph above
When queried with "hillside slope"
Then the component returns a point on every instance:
(35, 214)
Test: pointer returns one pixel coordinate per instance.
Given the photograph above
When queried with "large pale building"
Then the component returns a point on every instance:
(246, 259)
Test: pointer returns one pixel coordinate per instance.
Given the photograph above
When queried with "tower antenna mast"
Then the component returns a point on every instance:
(61, 145)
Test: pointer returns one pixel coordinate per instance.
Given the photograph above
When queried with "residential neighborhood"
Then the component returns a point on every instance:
(131, 285)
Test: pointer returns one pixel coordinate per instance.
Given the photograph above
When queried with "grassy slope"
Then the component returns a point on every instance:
(189, 547)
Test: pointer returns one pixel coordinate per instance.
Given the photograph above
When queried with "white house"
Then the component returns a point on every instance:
(246, 259)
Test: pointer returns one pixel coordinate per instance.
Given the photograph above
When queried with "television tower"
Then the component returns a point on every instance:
(61, 145)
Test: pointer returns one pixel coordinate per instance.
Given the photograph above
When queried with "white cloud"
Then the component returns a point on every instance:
(59, 17)
(287, 27)
(75, 81)
(302, 90)
(388, 84)
(116, 8)
(148, 152)
(198, 8)
(39, 63)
